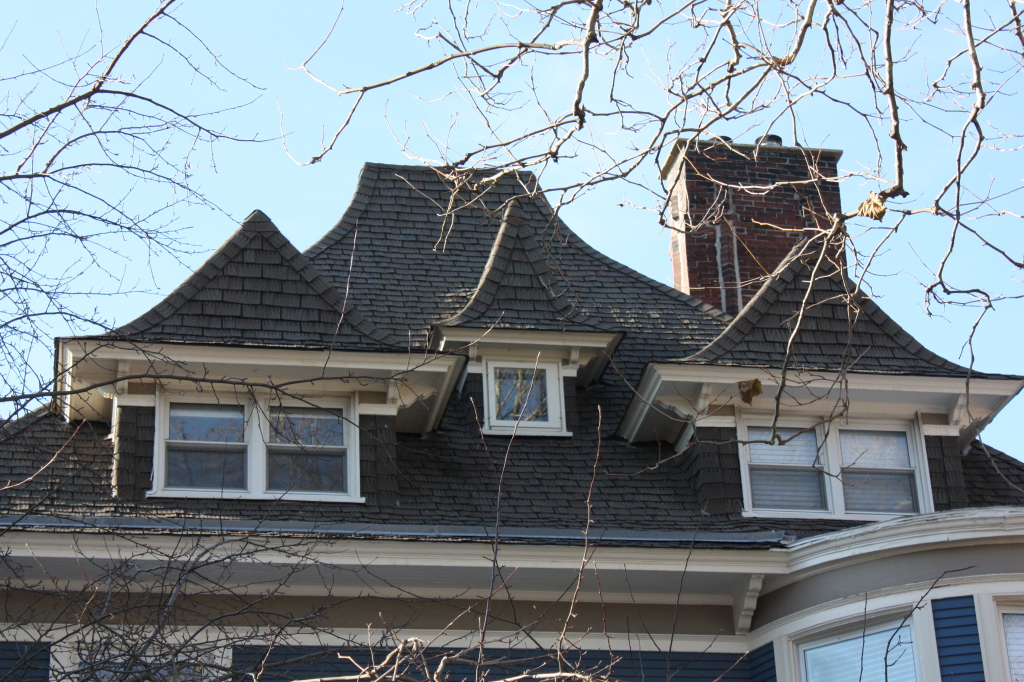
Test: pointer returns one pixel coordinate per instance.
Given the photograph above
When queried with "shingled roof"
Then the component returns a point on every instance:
(409, 263)
(257, 289)
(404, 229)
(518, 289)
(834, 327)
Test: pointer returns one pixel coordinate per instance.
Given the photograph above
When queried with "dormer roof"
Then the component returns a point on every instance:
(257, 289)
(810, 312)
(518, 290)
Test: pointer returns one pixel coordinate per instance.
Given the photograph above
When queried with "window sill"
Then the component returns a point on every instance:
(236, 495)
(526, 432)
(824, 515)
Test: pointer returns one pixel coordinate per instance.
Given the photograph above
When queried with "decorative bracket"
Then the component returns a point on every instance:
(744, 602)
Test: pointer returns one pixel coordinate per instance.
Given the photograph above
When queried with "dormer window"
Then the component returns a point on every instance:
(854, 471)
(524, 398)
(206, 447)
(254, 449)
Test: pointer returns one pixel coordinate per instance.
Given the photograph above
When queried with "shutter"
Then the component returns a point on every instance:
(956, 637)
(24, 662)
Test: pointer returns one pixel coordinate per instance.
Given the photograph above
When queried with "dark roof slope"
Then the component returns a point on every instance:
(413, 256)
(517, 288)
(837, 327)
(992, 477)
(257, 289)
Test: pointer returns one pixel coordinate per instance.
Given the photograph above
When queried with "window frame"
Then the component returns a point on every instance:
(856, 633)
(1001, 608)
(554, 380)
(827, 435)
(256, 412)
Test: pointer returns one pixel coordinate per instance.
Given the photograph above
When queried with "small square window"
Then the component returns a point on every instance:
(520, 393)
(524, 398)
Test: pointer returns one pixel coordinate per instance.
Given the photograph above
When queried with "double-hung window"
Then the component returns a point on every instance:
(882, 656)
(858, 471)
(787, 476)
(255, 448)
(877, 473)
(524, 398)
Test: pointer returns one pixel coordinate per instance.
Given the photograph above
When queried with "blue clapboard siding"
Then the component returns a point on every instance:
(282, 664)
(24, 662)
(761, 664)
(956, 636)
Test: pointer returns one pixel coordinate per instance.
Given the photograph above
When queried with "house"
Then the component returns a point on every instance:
(452, 427)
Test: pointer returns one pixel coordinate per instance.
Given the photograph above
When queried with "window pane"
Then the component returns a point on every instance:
(873, 491)
(781, 489)
(864, 659)
(1013, 630)
(215, 423)
(881, 449)
(802, 450)
(520, 392)
(206, 469)
(307, 426)
(306, 472)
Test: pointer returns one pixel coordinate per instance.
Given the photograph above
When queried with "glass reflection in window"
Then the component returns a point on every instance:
(520, 394)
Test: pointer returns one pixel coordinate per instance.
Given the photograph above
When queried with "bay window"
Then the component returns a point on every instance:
(255, 448)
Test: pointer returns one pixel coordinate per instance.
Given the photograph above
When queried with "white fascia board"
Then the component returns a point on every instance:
(716, 374)
(908, 534)
(31, 544)
(525, 337)
(646, 390)
(279, 357)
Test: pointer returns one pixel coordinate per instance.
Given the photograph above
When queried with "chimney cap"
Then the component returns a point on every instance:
(770, 140)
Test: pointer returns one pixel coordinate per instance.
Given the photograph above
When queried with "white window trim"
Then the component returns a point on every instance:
(256, 448)
(873, 627)
(829, 435)
(1001, 607)
(555, 426)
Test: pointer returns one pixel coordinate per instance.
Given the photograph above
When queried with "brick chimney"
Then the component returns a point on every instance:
(738, 209)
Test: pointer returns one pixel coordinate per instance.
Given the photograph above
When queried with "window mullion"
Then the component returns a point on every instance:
(258, 434)
(832, 460)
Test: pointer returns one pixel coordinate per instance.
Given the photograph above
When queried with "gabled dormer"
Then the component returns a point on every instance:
(251, 380)
(527, 333)
(828, 398)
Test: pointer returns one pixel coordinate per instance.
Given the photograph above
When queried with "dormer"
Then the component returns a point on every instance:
(826, 399)
(253, 380)
(528, 336)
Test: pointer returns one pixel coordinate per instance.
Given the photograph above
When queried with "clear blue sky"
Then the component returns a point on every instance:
(261, 40)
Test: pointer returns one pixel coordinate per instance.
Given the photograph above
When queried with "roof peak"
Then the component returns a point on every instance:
(517, 287)
(810, 315)
(257, 289)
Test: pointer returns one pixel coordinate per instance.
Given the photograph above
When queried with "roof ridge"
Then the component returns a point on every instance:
(516, 235)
